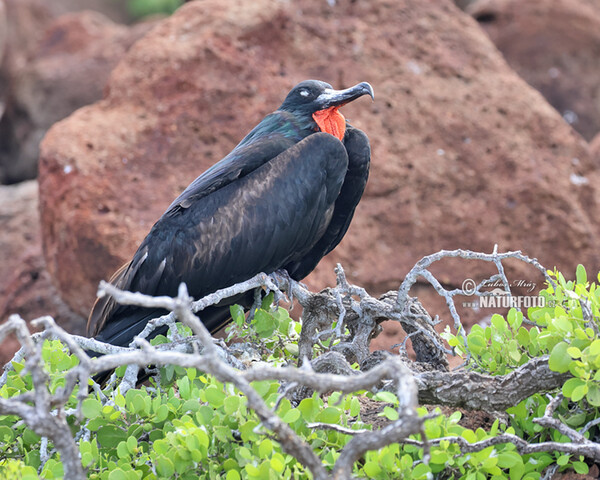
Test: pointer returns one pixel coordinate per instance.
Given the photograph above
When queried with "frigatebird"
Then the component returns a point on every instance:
(281, 200)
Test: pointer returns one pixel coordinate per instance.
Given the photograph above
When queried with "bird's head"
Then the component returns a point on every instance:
(319, 103)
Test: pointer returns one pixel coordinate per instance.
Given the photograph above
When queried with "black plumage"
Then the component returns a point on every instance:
(282, 199)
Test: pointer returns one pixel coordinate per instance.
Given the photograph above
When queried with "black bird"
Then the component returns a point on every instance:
(282, 199)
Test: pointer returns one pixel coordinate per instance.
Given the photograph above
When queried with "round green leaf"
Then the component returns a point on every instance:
(291, 415)
(231, 404)
(161, 414)
(232, 475)
(593, 395)
(329, 415)
(215, 396)
(91, 408)
(164, 466)
(109, 436)
(559, 358)
(117, 474)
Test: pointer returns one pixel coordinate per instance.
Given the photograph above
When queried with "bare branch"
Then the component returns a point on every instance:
(483, 392)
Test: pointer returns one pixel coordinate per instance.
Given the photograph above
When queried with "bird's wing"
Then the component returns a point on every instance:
(359, 157)
(239, 163)
(256, 223)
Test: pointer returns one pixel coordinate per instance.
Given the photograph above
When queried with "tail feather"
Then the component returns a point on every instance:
(104, 307)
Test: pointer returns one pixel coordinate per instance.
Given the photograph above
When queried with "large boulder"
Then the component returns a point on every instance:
(465, 153)
(595, 148)
(25, 285)
(2, 29)
(52, 66)
(554, 45)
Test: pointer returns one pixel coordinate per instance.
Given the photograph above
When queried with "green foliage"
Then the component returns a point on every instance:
(188, 425)
(565, 329)
(143, 8)
(271, 330)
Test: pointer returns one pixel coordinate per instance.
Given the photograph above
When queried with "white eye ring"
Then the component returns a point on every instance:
(304, 93)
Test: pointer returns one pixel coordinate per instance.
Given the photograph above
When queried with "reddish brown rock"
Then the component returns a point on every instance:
(2, 29)
(595, 148)
(554, 45)
(51, 68)
(465, 153)
(28, 20)
(25, 286)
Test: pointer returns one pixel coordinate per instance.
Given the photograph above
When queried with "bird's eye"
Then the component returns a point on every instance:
(304, 92)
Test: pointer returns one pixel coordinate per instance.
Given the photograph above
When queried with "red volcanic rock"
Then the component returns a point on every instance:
(465, 153)
(554, 46)
(25, 285)
(595, 148)
(2, 29)
(68, 69)
(28, 20)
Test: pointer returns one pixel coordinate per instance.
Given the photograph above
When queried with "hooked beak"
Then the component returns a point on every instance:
(337, 98)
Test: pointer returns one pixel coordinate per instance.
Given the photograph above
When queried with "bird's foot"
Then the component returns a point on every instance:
(282, 276)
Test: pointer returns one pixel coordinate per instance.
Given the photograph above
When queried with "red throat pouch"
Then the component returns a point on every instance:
(331, 121)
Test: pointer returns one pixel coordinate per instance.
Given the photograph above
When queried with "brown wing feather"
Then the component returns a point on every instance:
(104, 307)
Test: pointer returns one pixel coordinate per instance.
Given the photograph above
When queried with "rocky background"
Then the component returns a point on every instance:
(484, 131)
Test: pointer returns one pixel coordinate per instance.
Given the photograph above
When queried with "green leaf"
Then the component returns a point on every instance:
(581, 468)
(119, 400)
(132, 444)
(291, 415)
(354, 407)
(593, 395)
(6, 434)
(109, 436)
(523, 337)
(329, 415)
(579, 392)
(233, 475)
(237, 314)
(372, 469)
(117, 474)
(570, 385)
(215, 396)
(421, 471)
(580, 274)
(292, 349)
(390, 413)
(476, 343)
(264, 323)
(183, 385)
(265, 448)
(122, 451)
(161, 414)
(231, 404)
(267, 301)
(164, 466)
(388, 397)
(507, 459)
(91, 408)
(499, 323)
(278, 463)
(559, 359)
(561, 321)
(574, 352)
(594, 348)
